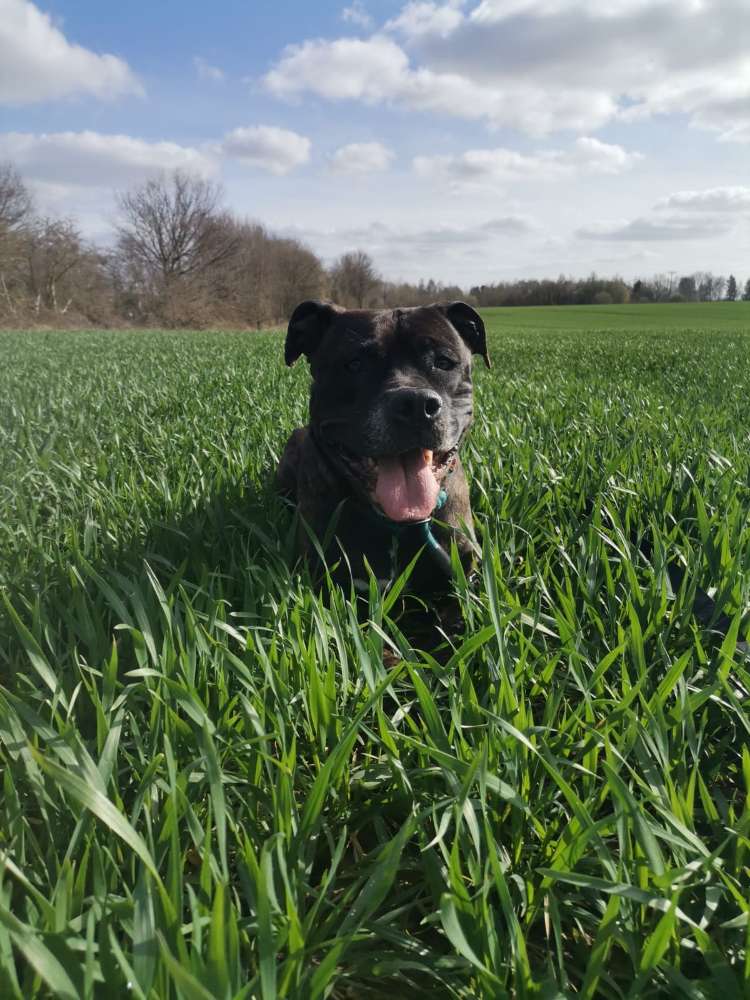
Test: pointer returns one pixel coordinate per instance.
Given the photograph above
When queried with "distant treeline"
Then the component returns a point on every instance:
(563, 291)
(179, 259)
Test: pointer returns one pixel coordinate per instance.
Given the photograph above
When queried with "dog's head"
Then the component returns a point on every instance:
(391, 396)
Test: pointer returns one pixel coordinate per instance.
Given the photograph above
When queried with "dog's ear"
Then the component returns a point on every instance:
(469, 325)
(309, 322)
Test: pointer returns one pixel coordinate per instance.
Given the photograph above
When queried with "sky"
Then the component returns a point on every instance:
(468, 141)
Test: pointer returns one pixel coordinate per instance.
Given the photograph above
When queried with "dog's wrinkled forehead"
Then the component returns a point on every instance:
(388, 333)
(359, 328)
(316, 324)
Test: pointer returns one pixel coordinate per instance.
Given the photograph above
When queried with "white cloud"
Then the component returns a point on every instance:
(98, 160)
(492, 166)
(685, 215)
(718, 199)
(418, 19)
(601, 157)
(206, 71)
(377, 70)
(448, 251)
(490, 11)
(503, 226)
(476, 165)
(38, 63)
(652, 56)
(356, 13)
(65, 160)
(278, 150)
(378, 237)
(674, 227)
(361, 158)
(528, 63)
(736, 133)
(345, 68)
(508, 225)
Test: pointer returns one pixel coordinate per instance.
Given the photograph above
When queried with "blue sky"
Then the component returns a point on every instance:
(465, 140)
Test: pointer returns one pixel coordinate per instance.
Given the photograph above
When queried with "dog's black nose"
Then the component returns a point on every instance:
(415, 404)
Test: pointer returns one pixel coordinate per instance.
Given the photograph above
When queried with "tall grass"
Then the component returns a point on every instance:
(214, 785)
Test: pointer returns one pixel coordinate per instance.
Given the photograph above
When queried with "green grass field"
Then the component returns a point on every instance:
(695, 317)
(213, 787)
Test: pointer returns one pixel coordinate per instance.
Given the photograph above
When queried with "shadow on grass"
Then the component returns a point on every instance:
(236, 547)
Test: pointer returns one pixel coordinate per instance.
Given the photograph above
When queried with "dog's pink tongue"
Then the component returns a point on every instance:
(407, 489)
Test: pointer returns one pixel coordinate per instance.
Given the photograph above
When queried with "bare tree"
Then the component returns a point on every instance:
(54, 249)
(173, 231)
(15, 200)
(251, 275)
(354, 279)
(705, 282)
(687, 288)
(15, 211)
(661, 285)
(297, 275)
(265, 277)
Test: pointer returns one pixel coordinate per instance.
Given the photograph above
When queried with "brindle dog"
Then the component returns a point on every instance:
(390, 404)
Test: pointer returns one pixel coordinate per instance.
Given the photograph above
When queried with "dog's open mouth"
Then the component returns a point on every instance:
(405, 487)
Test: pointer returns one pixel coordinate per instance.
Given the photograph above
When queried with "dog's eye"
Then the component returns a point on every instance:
(354, 365)
(445, 363)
